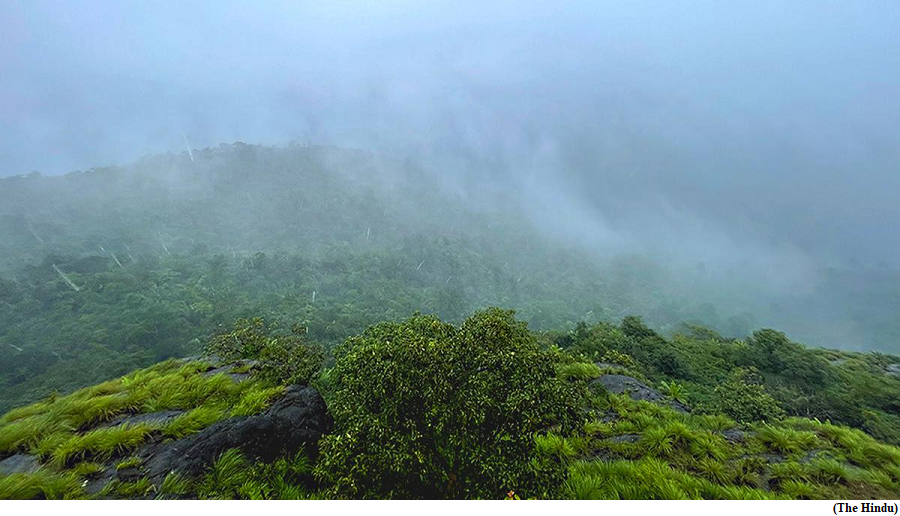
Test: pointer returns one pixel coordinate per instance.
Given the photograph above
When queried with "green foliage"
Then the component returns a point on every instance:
(456, 405)
(579, 371)
(192, 421)
(87, 469)
(40, 484)
(139, 488)
(673, 390)
(284, 359)
(291, 359)
(646, 479)
(287, 478)
(247, 340)
(226, 476)
(232, 476)
(745, 401)
(785, 440)
(101, 443)
(130, 462)
(613, 356)
(555, 446)
(175, 485)
(486, 408)
(256, 399)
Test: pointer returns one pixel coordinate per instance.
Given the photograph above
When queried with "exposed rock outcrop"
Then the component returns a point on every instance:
(294, 422)
(19, 463)
(152, 418)
(619, 384)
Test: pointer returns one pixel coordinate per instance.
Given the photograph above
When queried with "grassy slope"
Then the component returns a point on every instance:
(658, 453)
(68, 435)
(639, 450)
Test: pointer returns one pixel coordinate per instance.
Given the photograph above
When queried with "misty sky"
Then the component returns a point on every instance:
(700, 130)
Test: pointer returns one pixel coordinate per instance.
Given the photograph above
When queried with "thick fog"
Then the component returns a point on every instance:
(758, 142)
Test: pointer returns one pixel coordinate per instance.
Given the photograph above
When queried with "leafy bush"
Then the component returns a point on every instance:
(425, 409)
(287, 358)
(745, 401)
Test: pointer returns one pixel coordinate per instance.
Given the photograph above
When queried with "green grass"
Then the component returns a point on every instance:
(674, 455)
(555, 446)
(140, 488)
(100, 444)
(225, 477)
(175, 485)
(130, 462)
(193, 421)
(256, 399)
(87, 469)
(692, 460)
(646, 479)
(786, 440)
(63, 428)
(40, 484)
(579, 371)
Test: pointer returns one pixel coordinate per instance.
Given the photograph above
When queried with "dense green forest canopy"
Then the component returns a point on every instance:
(114, 268)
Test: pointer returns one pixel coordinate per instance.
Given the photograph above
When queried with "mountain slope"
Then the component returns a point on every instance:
(199, 428)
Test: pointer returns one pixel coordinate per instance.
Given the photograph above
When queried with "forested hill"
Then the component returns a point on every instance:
(327, 258)
(113, 268)
(105, 270)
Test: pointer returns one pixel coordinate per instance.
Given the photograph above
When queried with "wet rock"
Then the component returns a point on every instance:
(609, 417)
(96, 484)
(810, 455)
(219, 370)
(624, 438)
(229, 369)
(733, 435)
(129, 474)
(19, 463)
(771, 458)
(294, 422)
(151, 418)
(619, 384)
(98, 481)
(213, 360)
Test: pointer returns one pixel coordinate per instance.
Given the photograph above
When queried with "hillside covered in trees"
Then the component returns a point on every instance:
(615, 369)
(110, 269)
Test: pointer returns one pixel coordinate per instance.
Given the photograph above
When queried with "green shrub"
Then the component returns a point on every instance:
(285, 359)
(786, 440)
(579, 371)
(458, 406)
(745, 401)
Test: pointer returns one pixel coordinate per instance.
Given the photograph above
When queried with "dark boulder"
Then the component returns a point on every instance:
(294, 422)
(619, 384)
